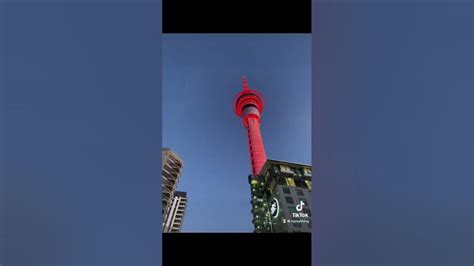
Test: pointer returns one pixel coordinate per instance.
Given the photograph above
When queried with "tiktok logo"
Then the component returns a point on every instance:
(299, 207)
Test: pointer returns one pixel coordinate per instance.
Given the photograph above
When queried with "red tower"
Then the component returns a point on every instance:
(248, 105)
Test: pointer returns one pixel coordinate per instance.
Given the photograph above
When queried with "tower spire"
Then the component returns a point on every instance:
(245, 83)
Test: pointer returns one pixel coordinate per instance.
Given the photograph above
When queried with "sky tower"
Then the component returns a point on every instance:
(280, 190)
(248, 105)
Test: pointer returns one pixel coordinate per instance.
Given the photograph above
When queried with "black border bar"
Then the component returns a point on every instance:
(236, 249)
(236, 16)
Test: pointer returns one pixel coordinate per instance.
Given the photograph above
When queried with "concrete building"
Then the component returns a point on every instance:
(174, 219)
(172, 166)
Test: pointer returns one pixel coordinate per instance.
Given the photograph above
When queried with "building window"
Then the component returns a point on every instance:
(299, 192)
(282, 181)
(275, 169)
(289, 200)
(286, 169)
(296, 224)
(307, 171)
(290, 182)
(308, 183)
(286, 190)
(301, 183)
(308, 211)
(298, 171)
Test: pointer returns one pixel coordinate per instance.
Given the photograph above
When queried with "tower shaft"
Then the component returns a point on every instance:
(256, 148)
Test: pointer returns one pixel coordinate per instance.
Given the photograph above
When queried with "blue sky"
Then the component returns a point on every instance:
(201, 76)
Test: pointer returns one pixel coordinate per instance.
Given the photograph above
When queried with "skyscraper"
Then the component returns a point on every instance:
(280, 190)
(174, 218)
(172, 166)
(281, 197)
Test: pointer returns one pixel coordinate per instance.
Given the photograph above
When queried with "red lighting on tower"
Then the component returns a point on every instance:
(248, 105)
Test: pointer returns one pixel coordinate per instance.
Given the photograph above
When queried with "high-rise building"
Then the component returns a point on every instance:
(281, 191)
(172, 166)
(174, 219)
(281, 197)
